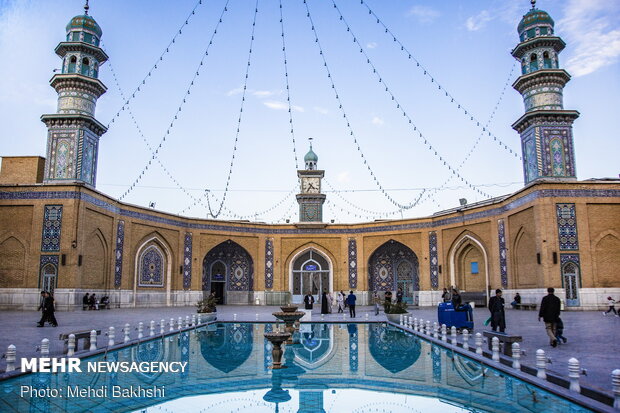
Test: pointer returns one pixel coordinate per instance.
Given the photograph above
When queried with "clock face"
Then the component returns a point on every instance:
(311, 185)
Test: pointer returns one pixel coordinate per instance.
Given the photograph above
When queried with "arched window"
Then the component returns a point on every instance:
(533, 62)
(547, 61)
(85, 66)
(95, 70)
(72, 63)
(310, 274)
(48, 278)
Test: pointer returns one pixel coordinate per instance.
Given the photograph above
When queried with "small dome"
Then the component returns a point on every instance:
(534, 17)
(84, 22)
(311, 156)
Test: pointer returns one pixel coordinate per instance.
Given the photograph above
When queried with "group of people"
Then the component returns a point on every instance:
(453, 297)
(48, 308)
(549, 313)
(328, 301)
(91, 302)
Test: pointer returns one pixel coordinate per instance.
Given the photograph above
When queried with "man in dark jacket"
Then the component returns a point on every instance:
(549, 312)
(496, 307)
(309, 301)
(351, 301)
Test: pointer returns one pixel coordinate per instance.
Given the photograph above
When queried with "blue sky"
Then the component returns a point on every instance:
(463, 48)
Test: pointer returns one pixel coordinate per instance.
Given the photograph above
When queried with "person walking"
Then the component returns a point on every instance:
(324, 303)
(496, 307)
(41, 322)
(309, 301)
(549, 313)
(611, 302)
(559, 331)
(351, 301)
(399, 295)
(50, 307)
(340, 300)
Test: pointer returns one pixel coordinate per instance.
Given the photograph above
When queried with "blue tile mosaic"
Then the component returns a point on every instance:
(567, 226)
(52, 226)
(118, 264)
(503, 267)
(269, 263)
(434, 260)
(352, 264)
(187, 261)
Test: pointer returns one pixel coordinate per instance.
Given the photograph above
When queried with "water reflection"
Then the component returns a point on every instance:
(362, 367)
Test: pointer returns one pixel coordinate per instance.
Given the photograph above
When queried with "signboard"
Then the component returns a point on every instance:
(311, 267)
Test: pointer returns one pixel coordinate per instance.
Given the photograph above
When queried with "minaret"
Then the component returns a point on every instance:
(310, 199)
(546, 127)
(73, 132)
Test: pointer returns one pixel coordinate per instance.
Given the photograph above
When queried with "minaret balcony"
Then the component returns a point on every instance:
(539, 117)
(81, 47)
(58, 120)
(538, 42)
(542, 77)
(76, 81)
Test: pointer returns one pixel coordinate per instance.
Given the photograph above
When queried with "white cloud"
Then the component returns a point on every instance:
(478, 21)
(274, 104)
(344, 177)
(320, 110)
(265, 93)
(234, 91)
(377, 121)
(371, 45)
(423, 14)
(591, 28)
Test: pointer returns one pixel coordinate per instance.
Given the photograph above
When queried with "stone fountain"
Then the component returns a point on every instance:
(276, 338)
(289, 315)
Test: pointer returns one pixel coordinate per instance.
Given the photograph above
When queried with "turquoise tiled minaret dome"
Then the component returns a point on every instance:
(73, 132)
(546, 127)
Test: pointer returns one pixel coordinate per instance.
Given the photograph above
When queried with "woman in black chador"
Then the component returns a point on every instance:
(308, 301)
(324, 303)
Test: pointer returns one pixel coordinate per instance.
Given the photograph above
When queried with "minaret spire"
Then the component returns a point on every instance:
(531, 1)
(86, 8)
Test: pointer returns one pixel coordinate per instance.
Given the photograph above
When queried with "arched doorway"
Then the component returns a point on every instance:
(227, 268)
(570, 278)
(394, 265)
(311, 272)
(469, 269)
(49, 273)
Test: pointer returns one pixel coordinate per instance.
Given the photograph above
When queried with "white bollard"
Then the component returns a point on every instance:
(93, 340)
(410, 322)
(401, 320)
(199, 319)
(10, 358)
(415, 324)
(162, 326)
(615, 384)
(444, 333)
(171, 324)
(478, 342)
(179, 323)
(140, 329)
(71, 345)
(126, 331)
(465, 339)
(45, 347)
(111, 336)
(495, 349)
(152, 328)
(193, 320)
(428, 328)
(186, 321)
(435, 330)
(541, 364)
(516, 356)
(453, 335)
(322, 317)
(573, 375)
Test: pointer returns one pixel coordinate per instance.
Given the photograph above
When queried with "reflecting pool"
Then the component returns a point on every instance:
(334, 368)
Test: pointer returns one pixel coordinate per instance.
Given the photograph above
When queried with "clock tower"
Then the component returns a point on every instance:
(310, 199)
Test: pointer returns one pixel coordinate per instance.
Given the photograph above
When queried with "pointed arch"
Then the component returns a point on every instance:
(606, 259)
(524, 260)
(153, 265)
(463, 251)
(12, 262)
(313, 254)
(228, 270)
(393, 265)
(95, 274)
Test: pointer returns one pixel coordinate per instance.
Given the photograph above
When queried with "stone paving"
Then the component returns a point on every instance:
(593, 339)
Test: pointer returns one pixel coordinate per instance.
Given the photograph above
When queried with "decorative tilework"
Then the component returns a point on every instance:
(52, 225)
(151, 269)
(120, 241)
(48, 272)
(185, 353)
(557, 154)
(434, 261)
(384, 264)
(353, 347)
(187, 261)
(503, 267)
(239, 267)
(352, 264)
(267, 347)
(113, 207)
(269, 263)
(567, 226)
(436, 358)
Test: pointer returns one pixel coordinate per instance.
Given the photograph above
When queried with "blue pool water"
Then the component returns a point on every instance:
(335, 368)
